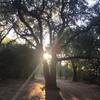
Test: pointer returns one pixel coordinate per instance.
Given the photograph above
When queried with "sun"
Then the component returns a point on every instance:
(47, 56)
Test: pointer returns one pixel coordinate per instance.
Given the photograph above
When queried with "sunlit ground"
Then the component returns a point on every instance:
(37, 92)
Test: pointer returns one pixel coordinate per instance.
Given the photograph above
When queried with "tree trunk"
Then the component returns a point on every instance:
(75, 74)
(75, 78)
(50, 75)
(53, 83)
(46, 73)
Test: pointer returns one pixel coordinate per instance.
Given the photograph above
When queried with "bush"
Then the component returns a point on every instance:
(16, 61)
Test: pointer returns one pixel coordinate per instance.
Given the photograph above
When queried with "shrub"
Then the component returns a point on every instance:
(16, 61)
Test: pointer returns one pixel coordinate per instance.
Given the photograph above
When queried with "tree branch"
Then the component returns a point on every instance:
(27, 25)
(41, 30)
(1, 39)
(24, 37)
(94, 22)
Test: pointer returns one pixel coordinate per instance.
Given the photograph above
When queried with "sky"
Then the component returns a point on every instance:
(91, 2)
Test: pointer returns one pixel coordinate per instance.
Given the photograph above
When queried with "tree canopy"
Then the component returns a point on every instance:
(32, 19)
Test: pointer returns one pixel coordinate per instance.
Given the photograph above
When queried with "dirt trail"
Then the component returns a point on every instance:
(79, 91)
(35, 91)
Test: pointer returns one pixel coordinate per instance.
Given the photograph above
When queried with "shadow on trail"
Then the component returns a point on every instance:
(38, 92)
(53, 95)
